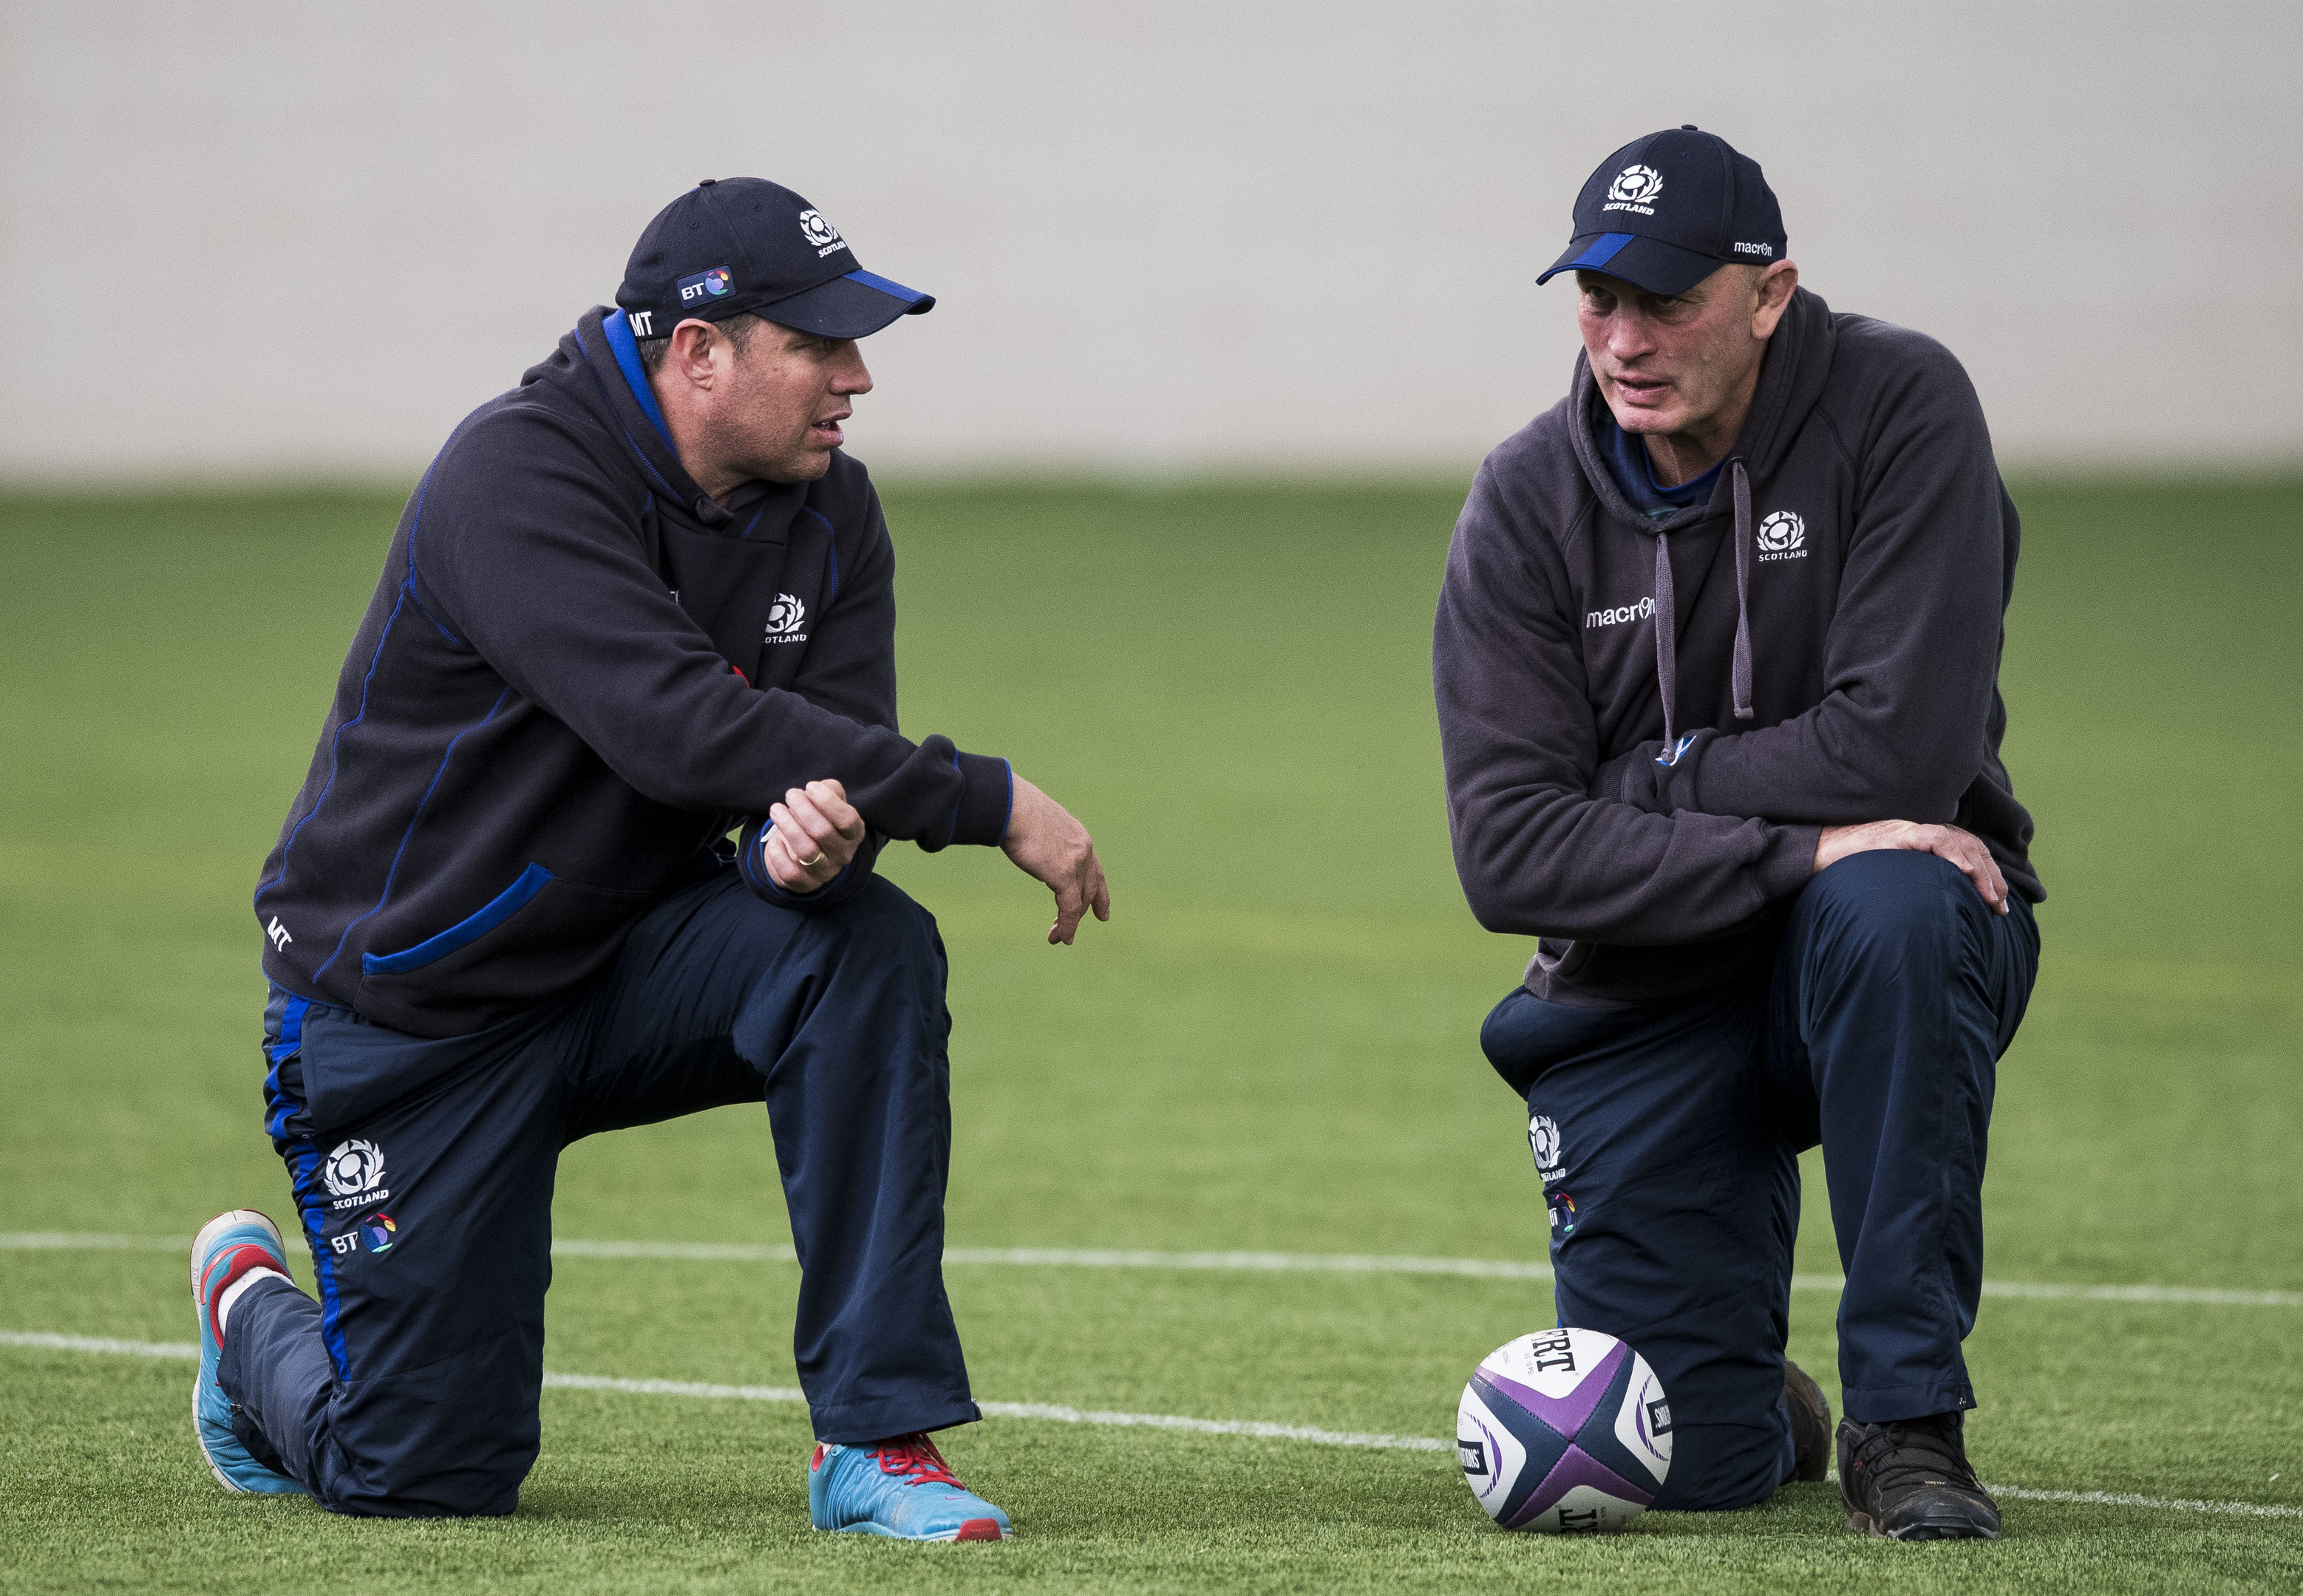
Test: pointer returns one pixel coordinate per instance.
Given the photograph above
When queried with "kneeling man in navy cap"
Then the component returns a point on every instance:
(587, 842)
(1717, 661)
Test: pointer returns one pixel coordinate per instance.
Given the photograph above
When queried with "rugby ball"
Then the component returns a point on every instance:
(1564, 1432)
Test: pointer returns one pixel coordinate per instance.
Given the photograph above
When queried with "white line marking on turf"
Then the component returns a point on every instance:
(1261, 1263)
(56, 1343)
(189, 1352)
(1250, 1262)
(1012, 1410)
(1164, 1421)
(2120, 1499)
(676, 1387)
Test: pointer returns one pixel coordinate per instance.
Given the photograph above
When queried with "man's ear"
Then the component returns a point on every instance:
(694, 344)
(1774, 287)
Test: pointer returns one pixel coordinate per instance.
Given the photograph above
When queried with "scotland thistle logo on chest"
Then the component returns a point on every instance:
(1782, 535)
(784, 618)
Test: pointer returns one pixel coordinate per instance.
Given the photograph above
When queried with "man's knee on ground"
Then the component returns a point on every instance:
(450, 1438)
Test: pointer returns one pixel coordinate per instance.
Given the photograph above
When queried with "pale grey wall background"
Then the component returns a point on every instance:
(243, 238)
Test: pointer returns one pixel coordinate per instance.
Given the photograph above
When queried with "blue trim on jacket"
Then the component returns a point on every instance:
(470, 929)
(392, 874)
(832, 533)
(626, 349)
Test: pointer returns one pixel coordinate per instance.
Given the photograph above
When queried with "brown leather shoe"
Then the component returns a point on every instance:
(1810, 1424)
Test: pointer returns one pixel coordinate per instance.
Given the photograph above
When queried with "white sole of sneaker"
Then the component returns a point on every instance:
(201, 1244)
(973, 1529)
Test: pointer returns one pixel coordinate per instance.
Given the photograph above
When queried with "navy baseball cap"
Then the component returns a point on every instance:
(1666, 211)
(731, 245)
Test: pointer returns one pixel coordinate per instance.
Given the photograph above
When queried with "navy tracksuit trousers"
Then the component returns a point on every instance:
(1667, 1137)
(423, 1171)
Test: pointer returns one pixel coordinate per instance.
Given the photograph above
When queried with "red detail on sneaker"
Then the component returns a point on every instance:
(816, 1462)
(979, 1528)
(223, 1273)
(915, 1456)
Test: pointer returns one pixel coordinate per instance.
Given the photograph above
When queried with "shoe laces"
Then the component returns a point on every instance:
(914, 1458)
(1929, 1449)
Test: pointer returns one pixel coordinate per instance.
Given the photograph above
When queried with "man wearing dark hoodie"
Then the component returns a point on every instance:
(1717, 663)
(639, 603)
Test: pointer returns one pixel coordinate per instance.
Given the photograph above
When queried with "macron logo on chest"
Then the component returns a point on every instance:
(1622, 614)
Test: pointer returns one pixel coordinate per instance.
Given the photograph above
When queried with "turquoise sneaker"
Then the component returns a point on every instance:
(227, 1247)
(900, 1488)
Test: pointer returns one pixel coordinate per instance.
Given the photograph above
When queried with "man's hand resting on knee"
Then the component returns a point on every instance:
(1051, 846)
(1962, 848)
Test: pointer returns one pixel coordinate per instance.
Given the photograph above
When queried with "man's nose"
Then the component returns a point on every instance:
(850, 376)
(1629, 336)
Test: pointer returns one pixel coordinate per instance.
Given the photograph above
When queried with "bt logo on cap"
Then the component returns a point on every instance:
(714, 283)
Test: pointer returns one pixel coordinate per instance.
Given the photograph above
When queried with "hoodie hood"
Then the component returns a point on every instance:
(583, 373)
(1791, 380)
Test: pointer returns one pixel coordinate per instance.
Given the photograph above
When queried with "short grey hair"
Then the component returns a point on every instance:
(737, 329)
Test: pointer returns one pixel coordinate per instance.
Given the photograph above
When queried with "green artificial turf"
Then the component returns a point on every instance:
(1272, 1046)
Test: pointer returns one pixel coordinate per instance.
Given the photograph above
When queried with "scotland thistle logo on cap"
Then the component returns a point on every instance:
(1634, 187)
(1721, 211)
(820, 233)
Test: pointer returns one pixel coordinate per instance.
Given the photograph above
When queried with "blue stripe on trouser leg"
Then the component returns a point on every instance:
(429, 1221)
(1674, 1195)
(283, 1039)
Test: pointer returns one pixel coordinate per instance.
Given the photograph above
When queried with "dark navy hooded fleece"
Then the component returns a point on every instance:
(1818, 639)
(578, 672)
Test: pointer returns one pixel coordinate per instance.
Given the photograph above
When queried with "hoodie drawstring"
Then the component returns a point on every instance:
(1666, 620)
(1740, 672)
(1667, 630)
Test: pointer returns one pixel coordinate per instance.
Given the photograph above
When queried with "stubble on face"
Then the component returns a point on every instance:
(1672, 366)
(786, 392)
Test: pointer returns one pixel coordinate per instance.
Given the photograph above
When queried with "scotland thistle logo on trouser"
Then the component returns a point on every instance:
(353, 1168)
